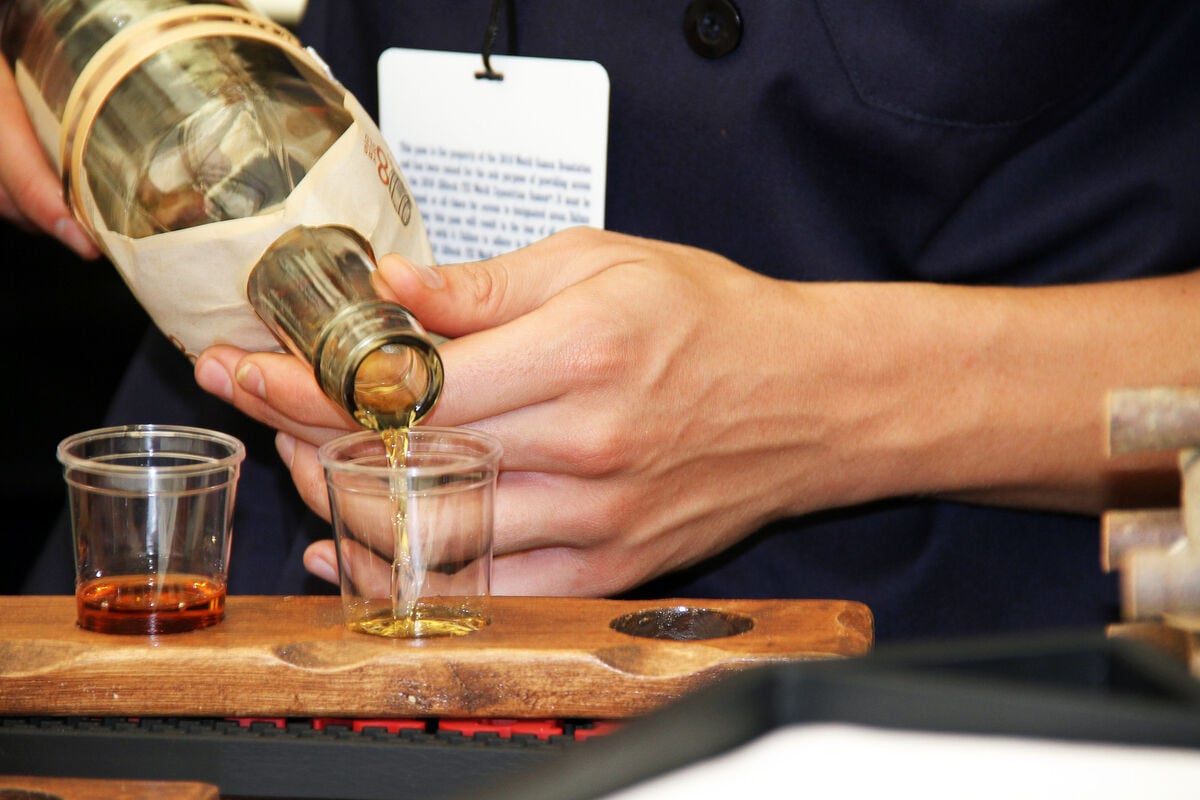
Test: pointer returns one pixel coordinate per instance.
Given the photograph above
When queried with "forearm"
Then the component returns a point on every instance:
(997, 395)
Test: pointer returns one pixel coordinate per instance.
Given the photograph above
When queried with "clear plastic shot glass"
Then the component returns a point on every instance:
(152, 522)
(412, 513)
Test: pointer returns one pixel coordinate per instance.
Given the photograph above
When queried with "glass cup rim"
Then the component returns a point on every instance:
(488, 452)
(236, 450)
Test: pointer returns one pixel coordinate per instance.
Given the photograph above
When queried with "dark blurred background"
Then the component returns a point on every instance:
(69, 328)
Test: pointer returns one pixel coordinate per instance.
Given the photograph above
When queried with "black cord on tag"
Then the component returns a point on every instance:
(489, 37)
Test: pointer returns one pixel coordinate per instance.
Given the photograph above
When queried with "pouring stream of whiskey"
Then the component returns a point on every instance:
(387, 404)
(407, 573)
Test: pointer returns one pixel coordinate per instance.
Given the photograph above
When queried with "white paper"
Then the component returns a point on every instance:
(496, 165)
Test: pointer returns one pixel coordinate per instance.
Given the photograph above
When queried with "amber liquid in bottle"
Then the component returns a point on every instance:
(150, 604)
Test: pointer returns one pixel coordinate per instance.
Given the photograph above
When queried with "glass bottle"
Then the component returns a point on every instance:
(200, 144)
(313, 287)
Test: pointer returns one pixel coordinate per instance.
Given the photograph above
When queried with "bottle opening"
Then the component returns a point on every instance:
(393, 387)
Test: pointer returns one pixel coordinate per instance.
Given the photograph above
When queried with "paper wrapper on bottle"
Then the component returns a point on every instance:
(192, 282)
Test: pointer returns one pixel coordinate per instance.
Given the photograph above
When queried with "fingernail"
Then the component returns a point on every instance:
(69, 232)
(250, 378)
(428, 275)
(213, 378)
(285, 445)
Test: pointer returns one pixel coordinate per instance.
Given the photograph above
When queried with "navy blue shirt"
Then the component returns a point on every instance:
(973, 142)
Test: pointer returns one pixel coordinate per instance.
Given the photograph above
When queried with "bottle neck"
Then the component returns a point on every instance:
(313, 289)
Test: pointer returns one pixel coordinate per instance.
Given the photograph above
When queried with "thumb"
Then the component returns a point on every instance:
(457, 299)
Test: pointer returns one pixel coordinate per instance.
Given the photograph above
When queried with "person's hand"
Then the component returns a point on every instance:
(636, 387)
(658, 403)
(30, 189)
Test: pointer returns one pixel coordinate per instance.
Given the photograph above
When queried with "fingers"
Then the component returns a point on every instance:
(513, 367)
(551, 572)
(541, 547)
(554, 572)
(458, 299)
(320, 558)
(300, 458)
(30, 188)
(524, 518)
(277, 389)
(546, 323)
(522, 360)
(31, 191)
(556, 350)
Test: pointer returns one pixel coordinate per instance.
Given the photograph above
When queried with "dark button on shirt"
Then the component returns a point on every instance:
(713, 27)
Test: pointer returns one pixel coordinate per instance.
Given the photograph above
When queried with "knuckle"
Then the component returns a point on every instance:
(489, 287)
(603, 448)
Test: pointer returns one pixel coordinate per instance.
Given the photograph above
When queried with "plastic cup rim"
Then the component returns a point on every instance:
(235, 456)
(489, 454)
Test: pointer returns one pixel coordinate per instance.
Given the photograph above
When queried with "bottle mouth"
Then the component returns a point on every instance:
(377, 360)
(396, 385)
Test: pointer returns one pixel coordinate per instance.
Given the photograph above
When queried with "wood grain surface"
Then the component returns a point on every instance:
(29, 787)
(292, 656)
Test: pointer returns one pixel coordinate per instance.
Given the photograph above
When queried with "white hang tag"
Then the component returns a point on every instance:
(496, 164)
